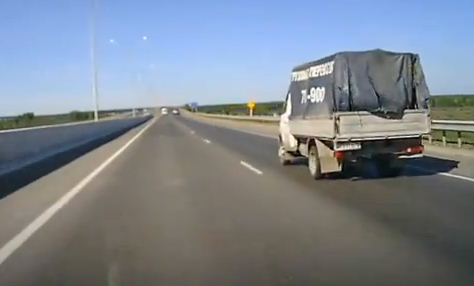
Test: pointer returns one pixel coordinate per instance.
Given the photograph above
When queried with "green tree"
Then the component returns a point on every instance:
(29, 116)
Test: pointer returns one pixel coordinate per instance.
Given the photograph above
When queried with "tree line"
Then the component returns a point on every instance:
(452, 101)
(29, 119)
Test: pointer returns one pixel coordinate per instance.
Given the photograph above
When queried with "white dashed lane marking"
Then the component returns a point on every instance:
(250, 167)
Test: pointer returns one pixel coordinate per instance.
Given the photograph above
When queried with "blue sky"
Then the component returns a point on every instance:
(212, 51)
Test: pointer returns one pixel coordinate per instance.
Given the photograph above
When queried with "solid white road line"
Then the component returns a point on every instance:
(442, 173)
(250, 167)
(17, 241)
(207, 141)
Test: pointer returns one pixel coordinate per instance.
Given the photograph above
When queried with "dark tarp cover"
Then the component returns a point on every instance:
(381, 82)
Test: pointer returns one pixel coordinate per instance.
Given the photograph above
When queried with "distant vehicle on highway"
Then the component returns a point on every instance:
(164, 111)
(176, 111)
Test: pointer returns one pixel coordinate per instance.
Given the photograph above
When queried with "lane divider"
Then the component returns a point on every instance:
(250, 167)
(243, 163)
(184, 126)
(16, 242)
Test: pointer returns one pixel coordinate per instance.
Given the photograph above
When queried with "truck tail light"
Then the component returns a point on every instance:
(415, 150)
(338, 155)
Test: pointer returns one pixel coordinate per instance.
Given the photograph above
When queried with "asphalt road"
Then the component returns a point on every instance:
(194, 204)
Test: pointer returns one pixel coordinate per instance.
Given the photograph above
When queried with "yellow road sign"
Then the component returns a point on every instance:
(251, 105)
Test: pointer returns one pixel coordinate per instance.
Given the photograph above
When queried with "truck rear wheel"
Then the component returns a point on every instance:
(314, 164)
(283, 155)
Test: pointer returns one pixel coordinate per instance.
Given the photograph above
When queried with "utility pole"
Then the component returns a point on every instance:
(92, 34)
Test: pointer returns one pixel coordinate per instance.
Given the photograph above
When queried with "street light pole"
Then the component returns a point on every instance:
(95, 92)
(135, 76)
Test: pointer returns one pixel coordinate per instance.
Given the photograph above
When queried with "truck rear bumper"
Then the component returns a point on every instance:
(411, 156)
(402, 148)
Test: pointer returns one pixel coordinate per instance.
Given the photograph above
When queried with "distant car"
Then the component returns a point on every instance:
(164, 111)
(176, 111)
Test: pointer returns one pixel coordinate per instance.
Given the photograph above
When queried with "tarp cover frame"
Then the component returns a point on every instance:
(381, 82)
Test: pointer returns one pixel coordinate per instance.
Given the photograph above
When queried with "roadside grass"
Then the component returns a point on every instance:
(453, 113)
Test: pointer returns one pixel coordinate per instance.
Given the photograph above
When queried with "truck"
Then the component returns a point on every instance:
(355, 107)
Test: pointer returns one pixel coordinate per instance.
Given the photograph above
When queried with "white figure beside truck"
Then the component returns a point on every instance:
(356, 106)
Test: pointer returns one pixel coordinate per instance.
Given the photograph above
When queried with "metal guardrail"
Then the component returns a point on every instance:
(457, 126)
(441, 125)
(453, 125)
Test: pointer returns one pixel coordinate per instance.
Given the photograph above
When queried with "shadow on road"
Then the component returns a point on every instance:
(433, 165)
(15, 180)
(425, 166)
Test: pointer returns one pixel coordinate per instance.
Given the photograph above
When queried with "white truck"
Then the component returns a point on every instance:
(369, 106)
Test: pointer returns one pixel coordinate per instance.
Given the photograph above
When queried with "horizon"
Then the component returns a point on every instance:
(112, 109)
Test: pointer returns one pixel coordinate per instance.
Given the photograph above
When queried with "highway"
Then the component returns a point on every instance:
(181, 202)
